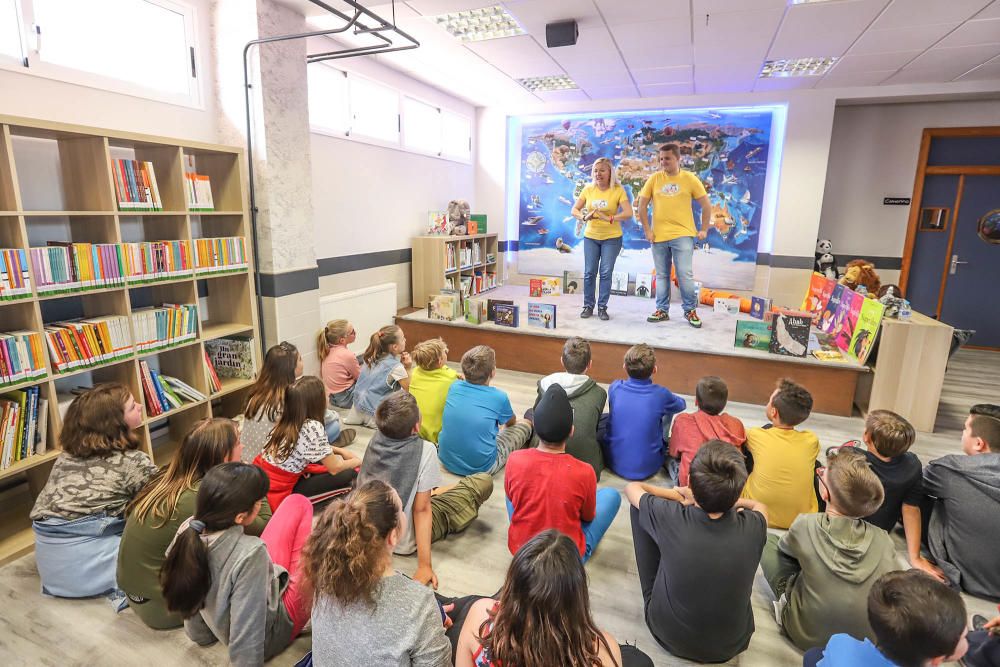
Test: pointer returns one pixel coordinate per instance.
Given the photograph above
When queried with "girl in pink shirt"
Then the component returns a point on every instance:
(340, 369)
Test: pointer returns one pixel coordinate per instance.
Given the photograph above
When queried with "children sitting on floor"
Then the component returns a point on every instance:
(888, 438)
(587, 398)
(917, 621)
(965, 520)
(429, 384)
(696, 595)
(398, 456)
(547, 488)
(821, 570)
(709, 422)
(638, 426)
(471, 438)
(784, 459)
(386, 369)
(339, 366)
(297, 457)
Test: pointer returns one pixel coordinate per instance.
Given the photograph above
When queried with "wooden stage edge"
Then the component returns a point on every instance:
(750, 380)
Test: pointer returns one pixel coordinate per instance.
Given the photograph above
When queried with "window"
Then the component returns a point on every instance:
(456, 136)
(139, 47)
(421, 127)
(10, 31)
(328, 101)
(374, 110)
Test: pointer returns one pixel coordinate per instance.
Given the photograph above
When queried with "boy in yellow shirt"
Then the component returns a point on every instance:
(429, 384)
(672, 234)
(784, 459)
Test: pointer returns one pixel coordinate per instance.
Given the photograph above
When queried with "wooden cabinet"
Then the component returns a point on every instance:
(468, 264)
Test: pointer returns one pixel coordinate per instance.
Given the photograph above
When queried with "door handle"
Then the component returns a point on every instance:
(954, 264)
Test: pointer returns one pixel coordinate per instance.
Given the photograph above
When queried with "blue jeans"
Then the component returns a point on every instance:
(682, 251)
(608, 502)
(78, 558)
(331, 422)
(599, 259)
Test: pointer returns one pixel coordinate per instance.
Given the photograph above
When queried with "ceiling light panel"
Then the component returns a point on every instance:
(797, 67)
(475, 25)
(547, 83)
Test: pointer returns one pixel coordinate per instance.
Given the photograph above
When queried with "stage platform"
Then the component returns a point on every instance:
(683, 353)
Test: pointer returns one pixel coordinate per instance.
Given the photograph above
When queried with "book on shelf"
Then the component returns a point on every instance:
(645, 285)
(790, 332)
(231, 357)
(619, 282)
(220, 254)
(753, 335)
(183, 389)
(491, 307)
(87, 342)
(163, 326)
(163, 393)
(199, 192)
(215, 384)
(542, 315)
(507, 315)
(62, 267)
(15, 283)
(476, 311)
(465, 257)
(23, 425)
(451, 256)
(21, 357)
(477, 250)
(135, 185)
(157, 260)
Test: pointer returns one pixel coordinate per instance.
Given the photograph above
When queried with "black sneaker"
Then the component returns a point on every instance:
(586, 312)
(692, 317)
(602, 313)
(658, 316)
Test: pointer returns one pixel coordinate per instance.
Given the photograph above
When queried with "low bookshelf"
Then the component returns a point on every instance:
(449, 262)
(161, 264)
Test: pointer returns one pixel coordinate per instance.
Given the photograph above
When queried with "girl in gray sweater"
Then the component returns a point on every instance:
(231, 587)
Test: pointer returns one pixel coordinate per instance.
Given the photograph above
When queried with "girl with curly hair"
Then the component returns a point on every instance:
(366, 613)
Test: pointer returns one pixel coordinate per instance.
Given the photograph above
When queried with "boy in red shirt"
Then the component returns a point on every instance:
(548, 488)
(693, 429)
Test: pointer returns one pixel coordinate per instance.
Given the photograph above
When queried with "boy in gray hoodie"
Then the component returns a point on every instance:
(822, 569)
(965, 519)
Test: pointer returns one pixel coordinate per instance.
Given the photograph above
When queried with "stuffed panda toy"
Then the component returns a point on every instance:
(826, 261)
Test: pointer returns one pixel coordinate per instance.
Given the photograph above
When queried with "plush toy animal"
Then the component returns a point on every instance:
(458, 216)
(862, 272)
(826, 261)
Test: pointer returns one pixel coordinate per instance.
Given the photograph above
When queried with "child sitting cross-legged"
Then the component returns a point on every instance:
(821, 570)
(398, 456)
(917, 621)
(340, 368)
(784, 458)
(429, 384)
(640, 414)
(696, 595)
(386, 369)
(692, 429)
(547, 488)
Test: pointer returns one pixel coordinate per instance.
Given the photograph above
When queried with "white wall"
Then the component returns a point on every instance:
(873, 154)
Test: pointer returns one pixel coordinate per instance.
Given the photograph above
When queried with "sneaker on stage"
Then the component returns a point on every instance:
(658, 316)
(692, 317)
(587, 312)
(602, 313)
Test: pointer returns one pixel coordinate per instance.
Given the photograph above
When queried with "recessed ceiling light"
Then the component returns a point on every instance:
(797, 67)
(475, 25)
(537, 84)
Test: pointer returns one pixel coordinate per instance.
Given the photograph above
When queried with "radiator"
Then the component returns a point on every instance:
(368, 309)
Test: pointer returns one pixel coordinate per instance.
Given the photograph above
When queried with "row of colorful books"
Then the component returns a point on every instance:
(135, 185)
(783, 332)
(850, 319)
(169, 324)
(477, 283)
(21, 357)
(23, 425)
(88, 342)
(220, 254)
(14, 280)
(157, 260)
(62, 267)
(163, 393)
(199, 192)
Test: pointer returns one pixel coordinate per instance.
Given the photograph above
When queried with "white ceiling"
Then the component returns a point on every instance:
(649, 48)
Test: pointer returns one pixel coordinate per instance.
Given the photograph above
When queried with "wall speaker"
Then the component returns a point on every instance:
(563, 33)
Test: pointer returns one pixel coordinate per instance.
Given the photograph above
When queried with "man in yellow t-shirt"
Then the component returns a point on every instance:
(672, 232)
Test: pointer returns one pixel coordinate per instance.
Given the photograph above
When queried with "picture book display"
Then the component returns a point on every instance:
(539, 287)
(846, 317)
(619, 282)
(645, 285)
(572, 282)
(760, 307)
(476, 311)
(444, 307)
(491, 307)
(542, 315)
(827, 318)
(231, 357)
(753, 335)
(866, 329)
(507, 315)
(728, 305)
(790, 332)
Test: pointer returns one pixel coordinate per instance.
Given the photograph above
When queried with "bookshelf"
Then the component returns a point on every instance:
(57, 186)
(439, 262)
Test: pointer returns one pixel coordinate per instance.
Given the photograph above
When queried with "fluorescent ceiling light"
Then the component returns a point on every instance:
(475, 25)
(546, 83)
(805, 2)
(797, 67)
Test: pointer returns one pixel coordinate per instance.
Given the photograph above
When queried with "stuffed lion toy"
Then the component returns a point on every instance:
(862, 272)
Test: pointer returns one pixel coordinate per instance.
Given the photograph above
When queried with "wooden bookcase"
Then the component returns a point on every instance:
(437, 263)
(56, 184)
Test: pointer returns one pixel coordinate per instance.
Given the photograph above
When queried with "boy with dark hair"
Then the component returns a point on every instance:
(587, 399)
(784, 458)
(638, 425)
(471, 438)
(398, 456)
(548, 489)
(888, 437)
(822, 569)
(696, 595)
(692, 429)
(965, 519)
(917, 621)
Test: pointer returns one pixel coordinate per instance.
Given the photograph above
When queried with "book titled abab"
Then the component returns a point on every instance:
(542, 315)
(790, 332)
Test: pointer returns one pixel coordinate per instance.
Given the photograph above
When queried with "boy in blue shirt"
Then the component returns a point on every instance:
(638, 426)
(917, 621)
(471, 439)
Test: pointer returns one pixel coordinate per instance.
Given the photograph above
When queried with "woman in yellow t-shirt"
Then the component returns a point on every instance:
(598, 207)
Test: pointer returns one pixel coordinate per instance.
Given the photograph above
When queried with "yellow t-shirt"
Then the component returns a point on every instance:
(607, 203)
(672, 195)
(783, 470)
(430, 388)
